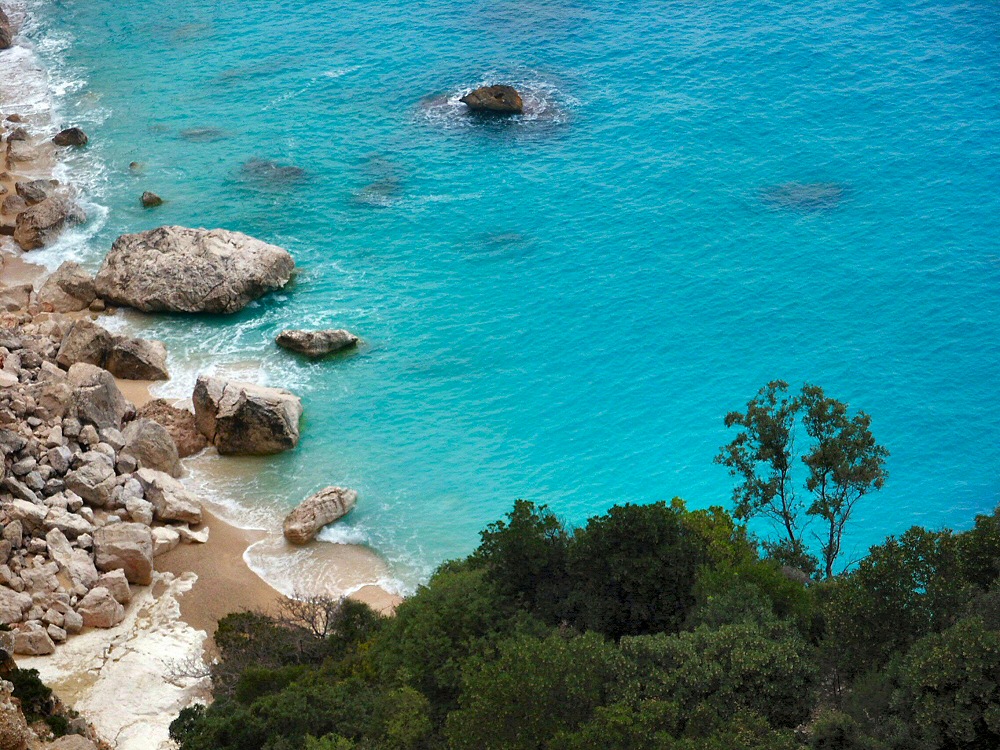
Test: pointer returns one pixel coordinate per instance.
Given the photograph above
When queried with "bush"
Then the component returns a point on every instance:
(632, 571)
(425, 645)
(905, 588)
(949, 687)
(534, 690)
(35, 696)
(767, 671)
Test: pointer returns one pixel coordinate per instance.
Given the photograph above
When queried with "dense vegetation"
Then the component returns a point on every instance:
(651, 627)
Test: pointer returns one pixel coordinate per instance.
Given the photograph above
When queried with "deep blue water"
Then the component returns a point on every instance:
(563, 307)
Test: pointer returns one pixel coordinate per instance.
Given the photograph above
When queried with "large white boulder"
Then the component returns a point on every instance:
(176, 269)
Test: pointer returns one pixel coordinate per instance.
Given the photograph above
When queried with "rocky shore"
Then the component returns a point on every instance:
(111, 570)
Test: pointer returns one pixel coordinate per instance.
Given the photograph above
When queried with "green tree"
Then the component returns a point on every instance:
(455, 616)
(753, 592)
(980, 550)
(842, 460)
(534, 690)
(761, 457)
(718, 673)
(845, 464)
(525, 558)
(633, 570)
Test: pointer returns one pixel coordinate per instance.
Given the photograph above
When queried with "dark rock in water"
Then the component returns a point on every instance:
(317, 344)
(204, 135)
(151, 200)
(15, 118)
(6, 31)
(18, 134)
(265, 172)
(803, 196)
(246, 419)
(33, 192)
(71, 137)
(496, 99)
(135, 166)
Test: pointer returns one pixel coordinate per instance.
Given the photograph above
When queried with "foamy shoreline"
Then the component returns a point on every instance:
(168, 624)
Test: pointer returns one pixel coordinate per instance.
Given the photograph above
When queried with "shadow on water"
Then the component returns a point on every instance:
(806, 197)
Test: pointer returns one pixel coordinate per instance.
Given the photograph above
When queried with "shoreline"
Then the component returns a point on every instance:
(163, 644)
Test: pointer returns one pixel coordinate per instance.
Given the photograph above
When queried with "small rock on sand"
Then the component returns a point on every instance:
(303, 524)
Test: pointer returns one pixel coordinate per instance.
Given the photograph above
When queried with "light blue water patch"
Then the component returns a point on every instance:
(703, 197)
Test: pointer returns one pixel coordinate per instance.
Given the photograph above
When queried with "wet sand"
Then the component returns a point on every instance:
(225, 583)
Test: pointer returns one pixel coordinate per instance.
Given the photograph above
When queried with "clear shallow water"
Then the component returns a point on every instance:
(563, 307)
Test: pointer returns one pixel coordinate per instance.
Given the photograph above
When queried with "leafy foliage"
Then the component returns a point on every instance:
(842, 459)
(656, 628)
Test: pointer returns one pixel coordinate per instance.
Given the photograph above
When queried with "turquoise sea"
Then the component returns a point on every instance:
(563, 306)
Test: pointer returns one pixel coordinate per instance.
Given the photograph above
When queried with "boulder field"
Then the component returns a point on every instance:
(87, 496)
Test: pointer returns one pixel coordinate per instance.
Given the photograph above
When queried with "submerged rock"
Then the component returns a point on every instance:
(303, 524)
(40, 224)
(246, 419)
(266, 173)
(497, 99)
(176, 269)
(70, 137)
(204, 135)
(317, 344)
(803, 196)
